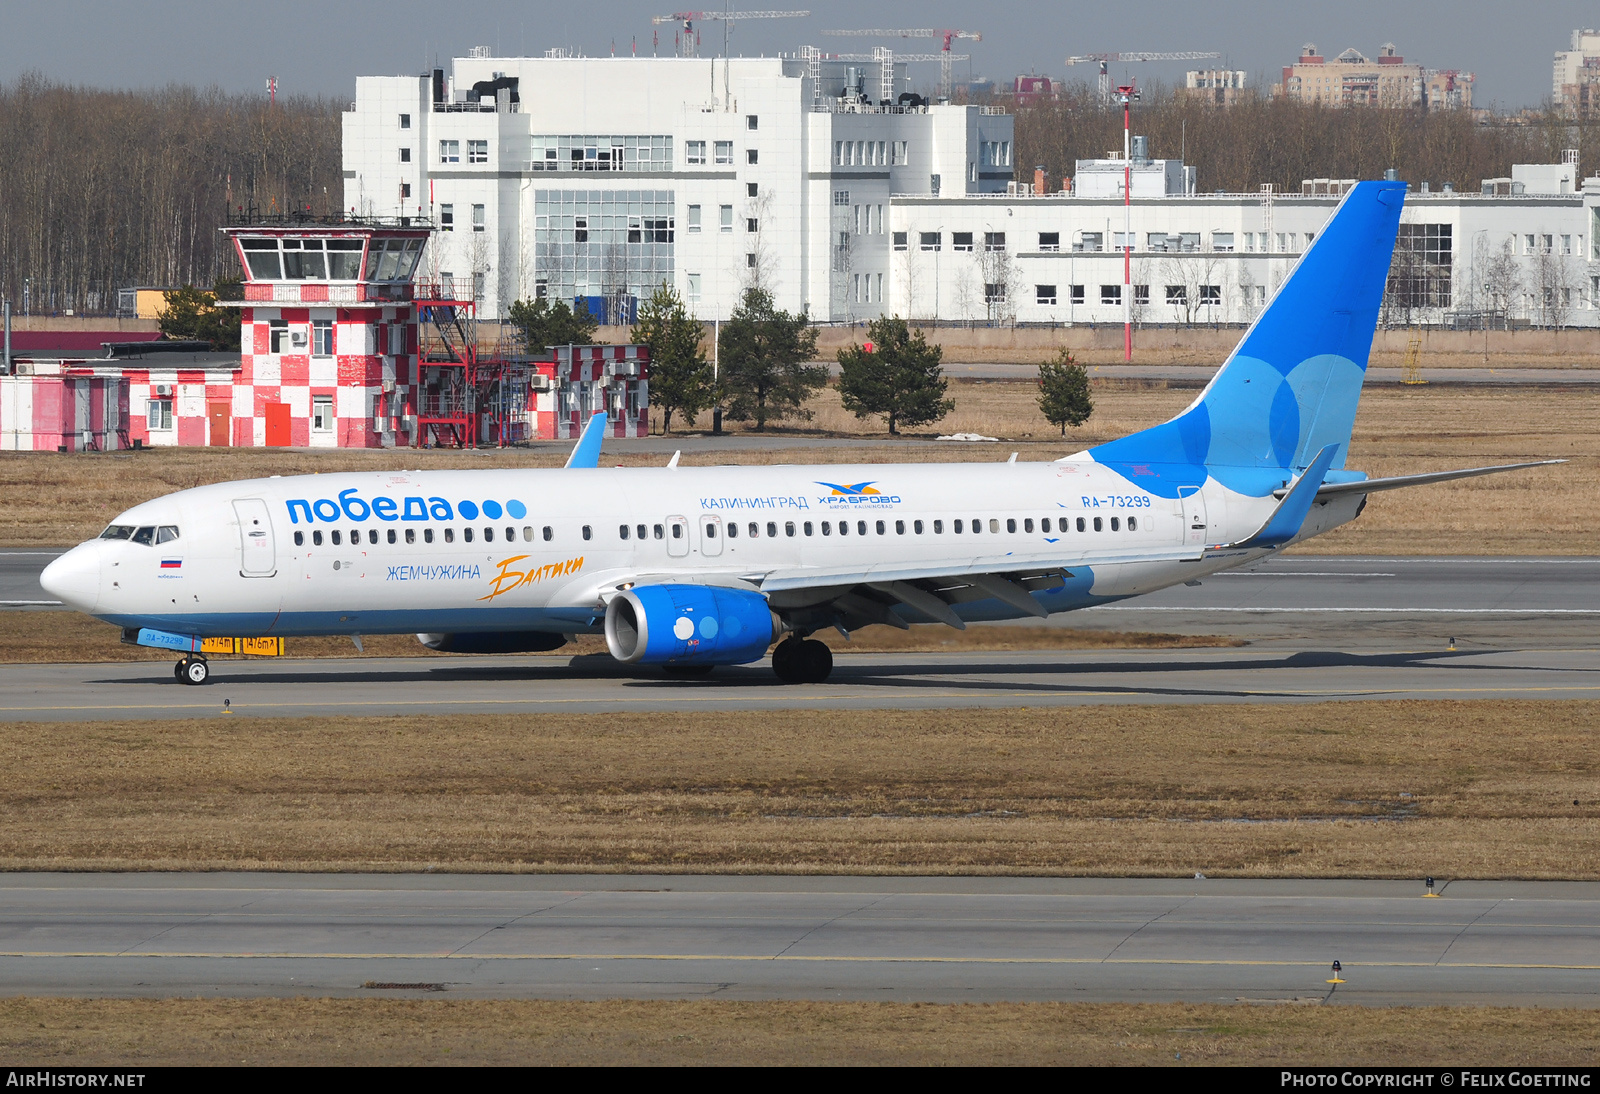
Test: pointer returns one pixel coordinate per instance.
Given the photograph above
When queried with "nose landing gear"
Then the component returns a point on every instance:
(192, 670)
(802, 661)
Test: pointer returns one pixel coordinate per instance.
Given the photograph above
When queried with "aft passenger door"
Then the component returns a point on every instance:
(258, 556)
(677, 537)
(1192, 508)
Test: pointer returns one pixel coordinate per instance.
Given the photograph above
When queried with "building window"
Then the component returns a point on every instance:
(580, 230)
(1566, 244)
(841, 197)
(449, 151)
(1050, 241)
(447, 218)
(479, 281)
(477, 218)
(278, 331)
(694, 218)
(322, 338)
(726, 213)
(1141, 294)
(1177, 295)
(405, 155)
(694, 153)
(1089, 241)
(751, 224)
(477, 151)
(899, 154)
(751, 190)
(160, 414)
(751, 155)
(930, 241)
(1110, 294)
(900, 241)
(994, 241)
(933, 185)
(1211, 294)
(541, 288)
(1222, 241)
(1044, 294)
(405, 121)
(693, 288)
(751, 121)
(994, 293)
(724, 152)
(1077, 294)
(960, 241)
(405, 189)
(750, 259)
(322, 413)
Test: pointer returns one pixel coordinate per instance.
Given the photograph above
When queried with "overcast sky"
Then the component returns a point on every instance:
(321, 47)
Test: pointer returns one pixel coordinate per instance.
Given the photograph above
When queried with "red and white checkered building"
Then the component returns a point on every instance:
(328, 341)
(584, 380)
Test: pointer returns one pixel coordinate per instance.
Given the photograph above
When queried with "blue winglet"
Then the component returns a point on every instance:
(1286, 519)
(586, 453)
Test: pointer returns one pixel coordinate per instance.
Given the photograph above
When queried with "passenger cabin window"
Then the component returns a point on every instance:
(316, 539)
(549, 533)
(1080, 524)
(299, 539)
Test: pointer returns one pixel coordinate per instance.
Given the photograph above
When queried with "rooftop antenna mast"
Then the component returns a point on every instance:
(945, 58)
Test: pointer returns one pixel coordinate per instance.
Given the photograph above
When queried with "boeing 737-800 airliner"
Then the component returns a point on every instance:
(691, 568)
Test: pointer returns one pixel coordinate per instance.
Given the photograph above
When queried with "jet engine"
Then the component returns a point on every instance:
(689, 625)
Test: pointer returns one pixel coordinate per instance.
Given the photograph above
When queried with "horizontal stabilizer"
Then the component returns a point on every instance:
(1285, 521)
(1372, 486)
(586, 453)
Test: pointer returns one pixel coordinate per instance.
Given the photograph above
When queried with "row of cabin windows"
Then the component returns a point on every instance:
(957, 527)
(336, 536)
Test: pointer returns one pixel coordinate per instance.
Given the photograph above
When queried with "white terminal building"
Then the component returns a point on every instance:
(830, 184)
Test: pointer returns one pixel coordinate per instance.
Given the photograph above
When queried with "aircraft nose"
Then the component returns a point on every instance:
(74, 578)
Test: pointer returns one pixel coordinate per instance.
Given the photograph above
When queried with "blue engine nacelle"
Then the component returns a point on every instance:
(689, 625)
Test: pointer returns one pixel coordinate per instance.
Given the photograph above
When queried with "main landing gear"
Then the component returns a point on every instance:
(192, 670)
(802, 661)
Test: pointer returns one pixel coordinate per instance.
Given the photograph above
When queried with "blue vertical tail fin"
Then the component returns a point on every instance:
(1291, 386)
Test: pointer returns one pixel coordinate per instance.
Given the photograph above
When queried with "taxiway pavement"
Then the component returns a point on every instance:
(931, 939)
(1320, 628)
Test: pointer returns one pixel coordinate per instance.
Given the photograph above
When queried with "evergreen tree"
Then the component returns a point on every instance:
(542, 324)
(1064, 392)
(680, 375)
(192, 313)
(765, 354)
(901, 379)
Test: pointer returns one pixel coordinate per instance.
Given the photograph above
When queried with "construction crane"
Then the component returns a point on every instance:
(920, 32)
(1106, 59)
(885, 59)
(689, 38)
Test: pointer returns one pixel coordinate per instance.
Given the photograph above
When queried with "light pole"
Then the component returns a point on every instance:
(1126, 95)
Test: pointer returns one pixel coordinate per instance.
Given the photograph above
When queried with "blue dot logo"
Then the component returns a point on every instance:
(491, 509)
(468, 510)
(516, 509)
(708, 627)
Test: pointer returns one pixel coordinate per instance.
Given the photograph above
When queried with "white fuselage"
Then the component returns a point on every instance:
(507, 550)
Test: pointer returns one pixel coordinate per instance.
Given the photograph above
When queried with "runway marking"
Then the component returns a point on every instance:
(815, 959)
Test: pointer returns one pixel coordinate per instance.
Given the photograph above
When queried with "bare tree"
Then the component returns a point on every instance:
(1553, 287)
(1502, 281)
(1001, 280)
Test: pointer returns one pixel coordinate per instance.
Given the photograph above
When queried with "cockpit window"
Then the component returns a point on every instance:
(166, 533)
(146, 536)
(118, 531)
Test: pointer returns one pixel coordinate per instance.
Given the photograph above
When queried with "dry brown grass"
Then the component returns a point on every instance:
(50, 637)
(1392, 789)
(129, 1034)
(51, 499)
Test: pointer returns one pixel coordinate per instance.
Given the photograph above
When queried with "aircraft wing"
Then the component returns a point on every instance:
(855, 597)
(1396, 482)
